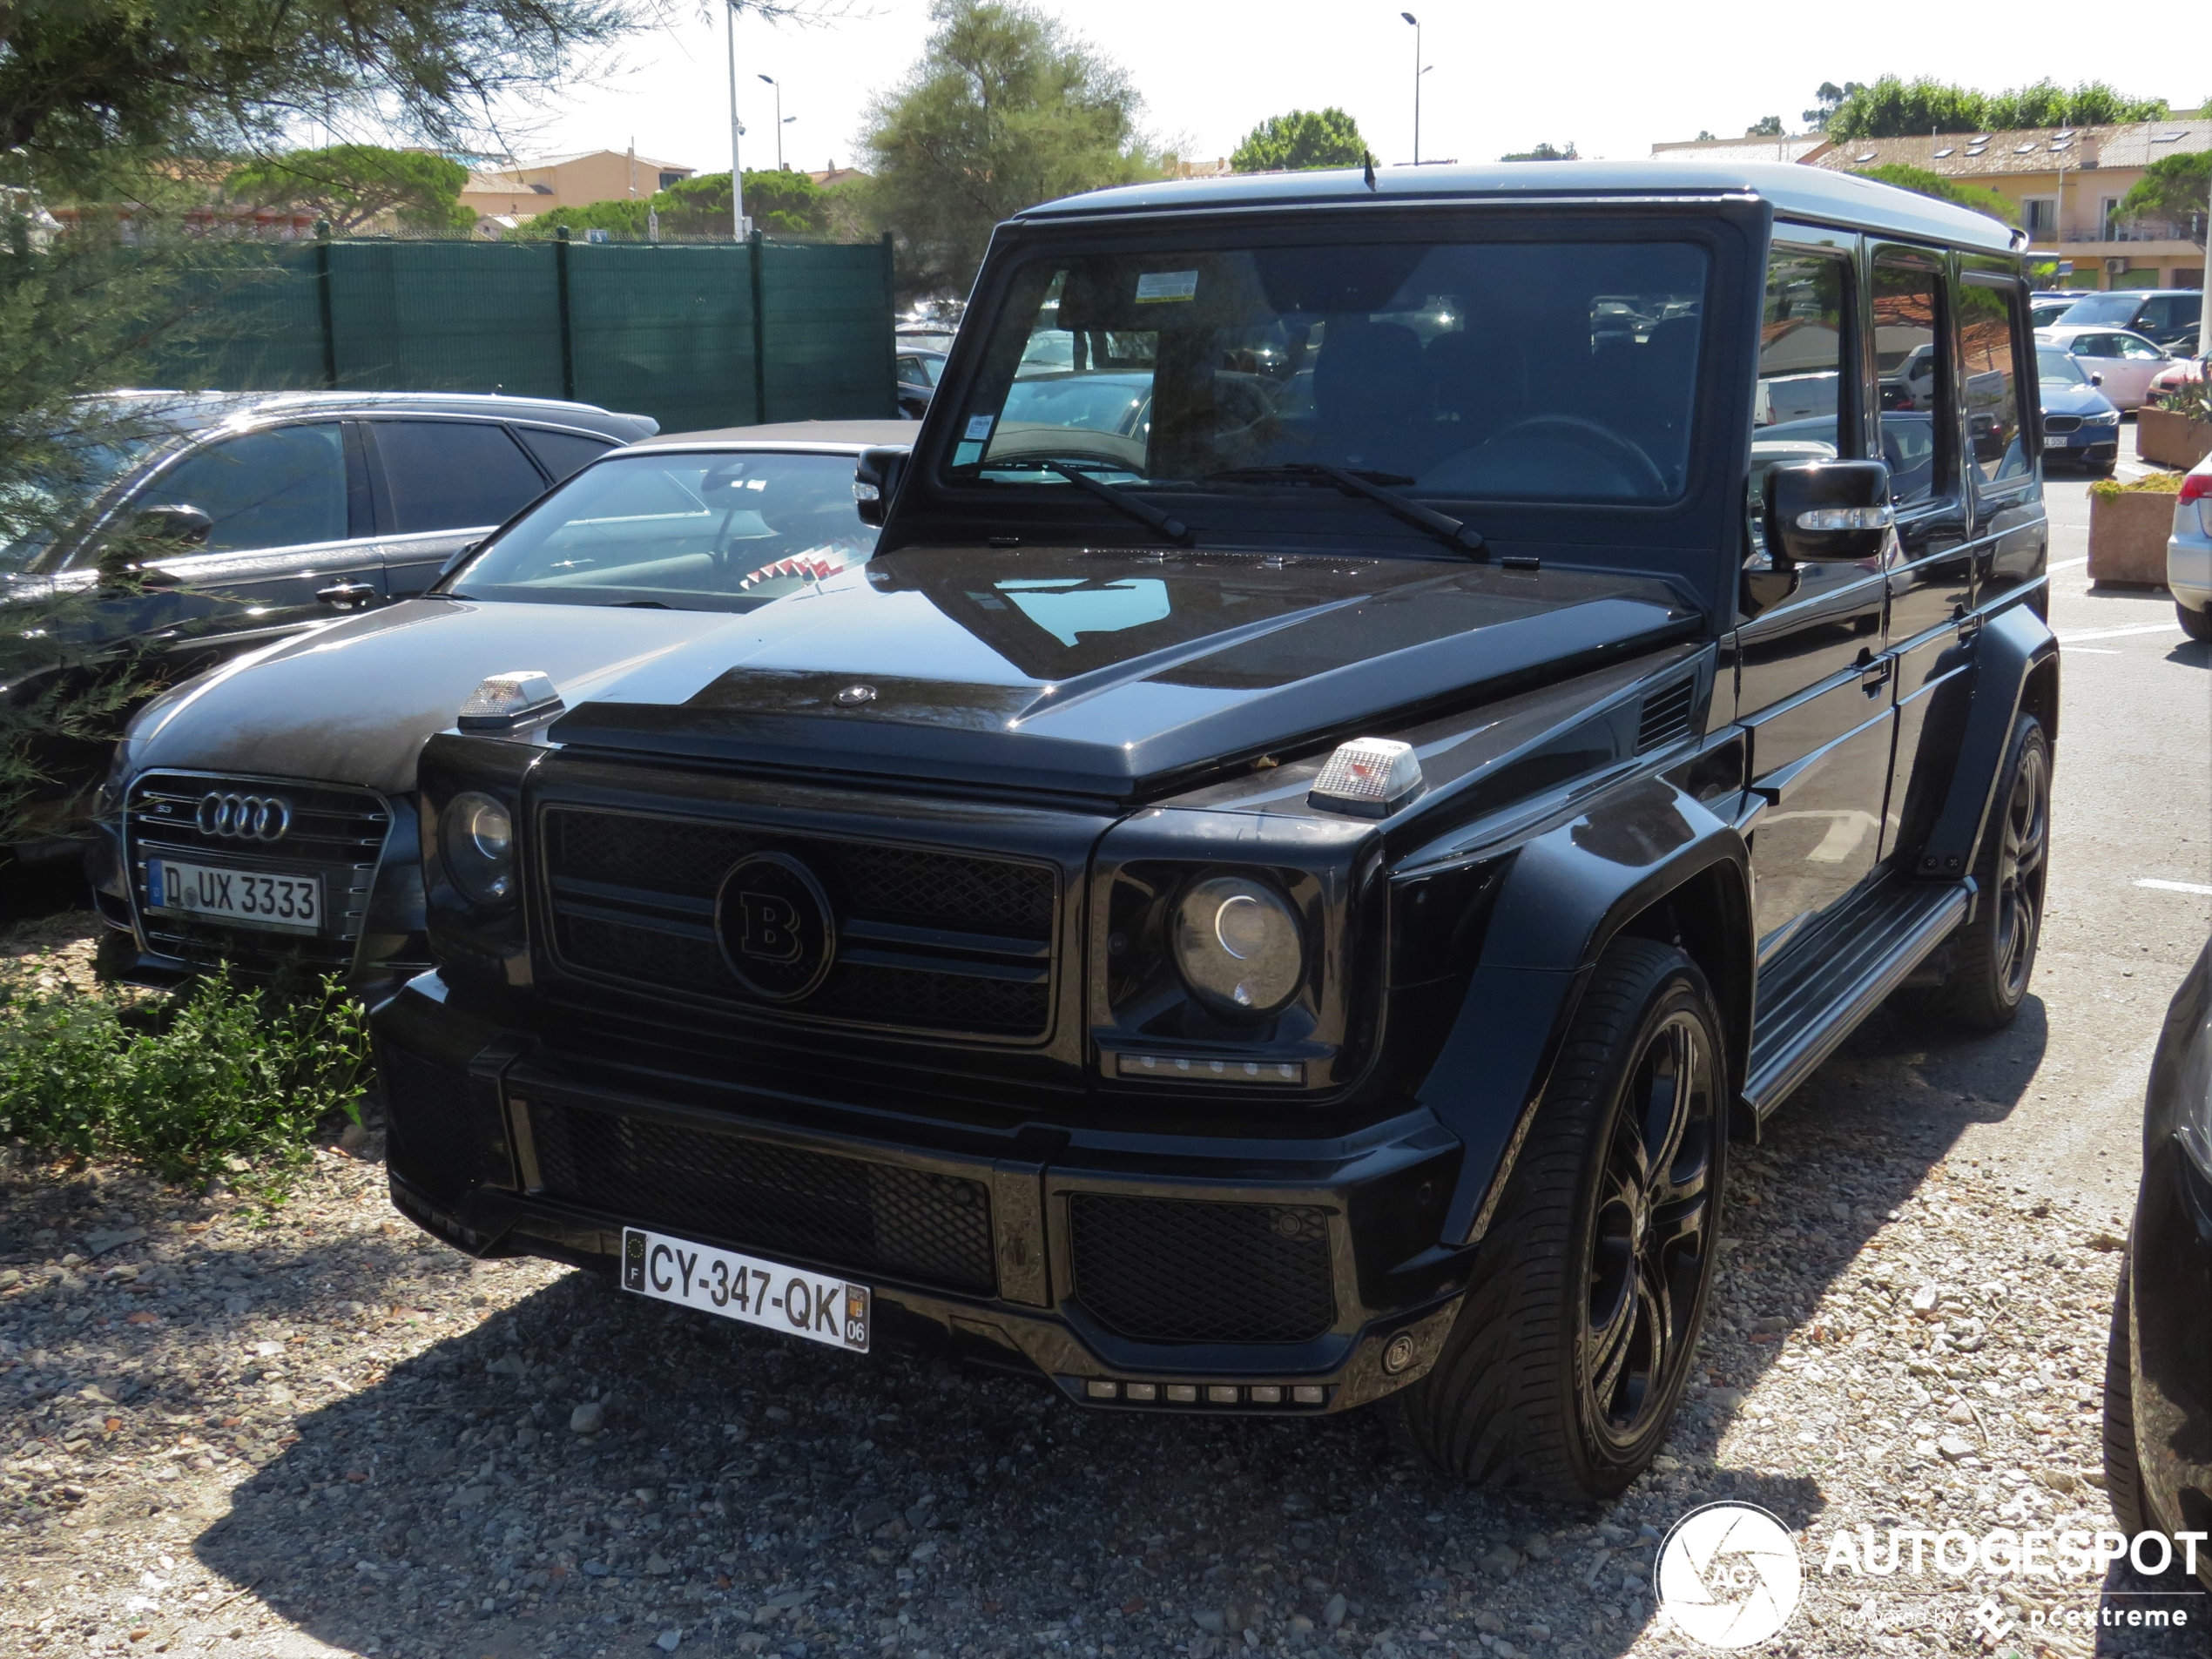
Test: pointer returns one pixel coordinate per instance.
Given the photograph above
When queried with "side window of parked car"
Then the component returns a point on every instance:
(2140, 350)
(1908, 362)
(284, 486)
(2095, 345)
(452, 474)
(1801, 411)
(1991, 328)
(562, 453)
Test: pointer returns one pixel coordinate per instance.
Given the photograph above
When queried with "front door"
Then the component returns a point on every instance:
(1811, 690)
(290, 545)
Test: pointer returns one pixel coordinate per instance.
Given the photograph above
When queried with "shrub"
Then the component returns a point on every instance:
(212, 1074)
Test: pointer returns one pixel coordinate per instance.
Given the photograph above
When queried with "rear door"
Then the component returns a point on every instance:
(442, 482)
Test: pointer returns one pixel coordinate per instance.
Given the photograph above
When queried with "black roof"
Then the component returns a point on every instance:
(1819, 193)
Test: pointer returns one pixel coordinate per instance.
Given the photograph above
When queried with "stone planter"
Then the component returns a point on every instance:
(2171, 440)
(2127, 532)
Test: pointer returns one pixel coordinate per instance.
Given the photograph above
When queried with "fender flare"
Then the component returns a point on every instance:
(2014, 648)
(1565, 895)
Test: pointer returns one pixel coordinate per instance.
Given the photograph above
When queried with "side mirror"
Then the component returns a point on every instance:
(875, 481)
(1828, 512)
(2096, 380)
(155, 531)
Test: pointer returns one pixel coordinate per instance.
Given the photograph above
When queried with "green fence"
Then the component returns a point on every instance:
(694, 335)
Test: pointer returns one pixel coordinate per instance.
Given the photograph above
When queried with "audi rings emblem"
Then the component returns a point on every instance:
(243, 818)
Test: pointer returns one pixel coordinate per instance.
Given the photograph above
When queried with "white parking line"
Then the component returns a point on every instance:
(2120, 633)
(2067, 564)
(2197, 888)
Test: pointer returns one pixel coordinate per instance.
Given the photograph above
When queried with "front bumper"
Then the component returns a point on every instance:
(2170, 1350)
(2086, 447)
(1215, 1273)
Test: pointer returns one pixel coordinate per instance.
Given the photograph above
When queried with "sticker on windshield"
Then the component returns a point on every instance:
(966, 454)
(979, 426)
(1155, 287)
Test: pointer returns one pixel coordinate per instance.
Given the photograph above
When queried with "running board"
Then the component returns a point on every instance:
(1833, 978)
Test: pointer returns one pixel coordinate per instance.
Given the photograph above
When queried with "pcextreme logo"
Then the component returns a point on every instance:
(1728, 1575)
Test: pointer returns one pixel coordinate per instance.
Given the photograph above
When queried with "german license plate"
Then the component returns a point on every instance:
(746, 1289)
(258, 899)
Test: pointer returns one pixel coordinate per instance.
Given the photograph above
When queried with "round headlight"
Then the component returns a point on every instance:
(478, 838)
(1237, 943)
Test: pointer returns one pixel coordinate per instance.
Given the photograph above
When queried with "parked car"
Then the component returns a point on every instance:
(1285, 902)
(289, 510)
(2079, 423)
(2045, 307)
(263, 814)
(2189, 551)
(2183, 371)
(917, 372)
(2168, 316)
(2158, 1367)
(2125, 364)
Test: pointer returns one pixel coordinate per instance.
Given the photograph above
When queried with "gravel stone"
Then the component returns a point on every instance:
(588, 1419)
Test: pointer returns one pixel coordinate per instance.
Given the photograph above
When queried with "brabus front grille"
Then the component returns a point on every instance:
(844, 1212)
(337, 832)
(928, 941)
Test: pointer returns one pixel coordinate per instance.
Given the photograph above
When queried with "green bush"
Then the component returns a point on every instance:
(215, 1072)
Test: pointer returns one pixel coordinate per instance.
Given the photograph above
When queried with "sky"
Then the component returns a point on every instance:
(1610, 77)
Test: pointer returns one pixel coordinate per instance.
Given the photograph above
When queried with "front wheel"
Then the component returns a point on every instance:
(1563, 1369)
(2197, 625)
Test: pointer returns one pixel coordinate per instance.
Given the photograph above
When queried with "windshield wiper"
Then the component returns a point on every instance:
(1168, 525)
(1455, 533)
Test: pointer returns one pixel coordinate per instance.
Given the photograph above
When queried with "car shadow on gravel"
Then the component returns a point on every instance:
(752, 1494)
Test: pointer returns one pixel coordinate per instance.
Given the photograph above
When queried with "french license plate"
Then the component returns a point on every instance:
(746, 1289)
(287, 903)
(2056, 443)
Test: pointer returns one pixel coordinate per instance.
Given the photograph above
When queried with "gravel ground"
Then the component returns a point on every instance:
(236, 1430)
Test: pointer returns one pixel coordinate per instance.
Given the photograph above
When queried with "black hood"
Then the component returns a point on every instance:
(354, 702)
(1109, 673)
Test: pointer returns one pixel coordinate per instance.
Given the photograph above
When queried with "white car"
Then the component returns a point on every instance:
(2124, 364)
(2188, 552)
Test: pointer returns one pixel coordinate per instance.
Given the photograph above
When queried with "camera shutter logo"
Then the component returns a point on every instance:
(778, 933)
(1728, 1575)
(242, 818)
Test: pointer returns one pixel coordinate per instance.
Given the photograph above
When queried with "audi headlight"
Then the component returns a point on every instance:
(1238, 945)
(476, 835)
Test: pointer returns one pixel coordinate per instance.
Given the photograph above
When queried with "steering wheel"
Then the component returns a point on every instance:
(1629, 457)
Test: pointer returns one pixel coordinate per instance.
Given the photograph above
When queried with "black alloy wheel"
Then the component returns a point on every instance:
(1994, 953)
(1563, 1369)
(1651, 1233)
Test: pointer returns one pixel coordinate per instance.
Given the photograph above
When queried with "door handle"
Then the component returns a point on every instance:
(347, 595)
(1876, 675)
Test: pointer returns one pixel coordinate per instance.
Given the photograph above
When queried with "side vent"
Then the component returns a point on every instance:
(1666, 714)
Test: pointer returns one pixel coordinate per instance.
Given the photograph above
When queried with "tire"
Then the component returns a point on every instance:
(1565, 1366)
(2197, 625)
(2123, 1477)
(1994, 955)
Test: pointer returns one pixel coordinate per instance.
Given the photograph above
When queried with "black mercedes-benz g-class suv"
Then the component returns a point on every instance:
(1394, 715)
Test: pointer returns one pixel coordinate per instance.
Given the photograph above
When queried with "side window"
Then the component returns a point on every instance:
(1990, 340)
(562, 453)
(1908, 362)
(2141, 350)
(2096, 345)
(282, 488)
(1799, 410)
(452, 474)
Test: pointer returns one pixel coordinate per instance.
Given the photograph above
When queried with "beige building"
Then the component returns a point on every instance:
(2066, 182)
(530, 187)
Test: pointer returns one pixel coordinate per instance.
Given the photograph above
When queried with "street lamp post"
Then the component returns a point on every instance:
(782, 120)
(738, 225)
(1417, 72)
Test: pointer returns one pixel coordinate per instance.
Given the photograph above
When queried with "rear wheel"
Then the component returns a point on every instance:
(2197, 625)
(2123, 1478)
(1994, 955)
(1563, 1369)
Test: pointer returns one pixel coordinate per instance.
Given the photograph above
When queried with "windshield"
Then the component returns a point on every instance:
(693, 532)
(2058, 367)
(2106, 310)
(1527, 370)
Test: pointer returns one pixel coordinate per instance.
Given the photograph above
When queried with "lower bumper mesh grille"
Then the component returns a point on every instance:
(428, 1116)
(842, 1211)
(1167, 1270)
